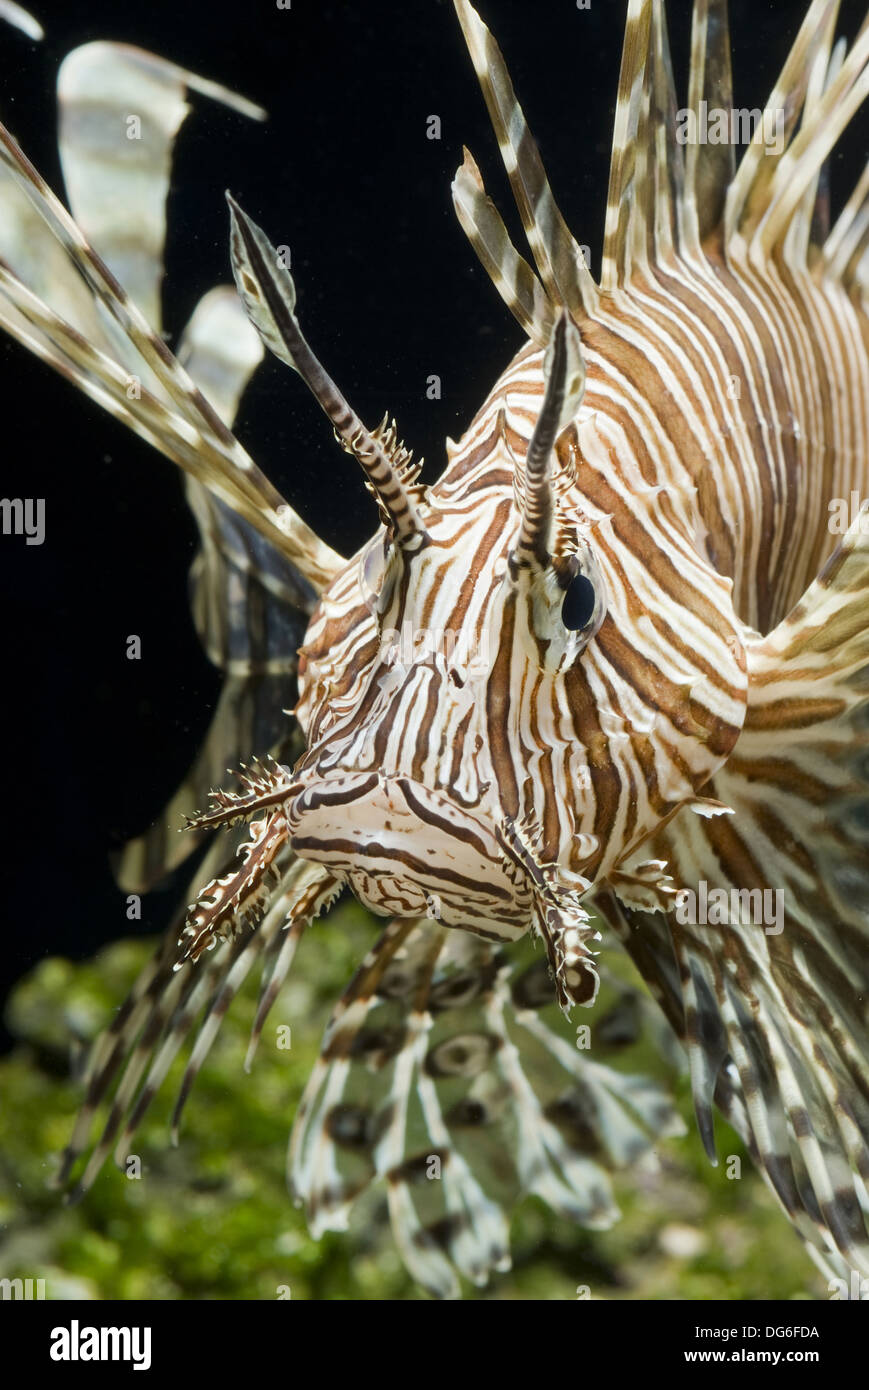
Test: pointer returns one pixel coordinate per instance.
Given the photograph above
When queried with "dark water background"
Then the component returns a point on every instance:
(390, 292)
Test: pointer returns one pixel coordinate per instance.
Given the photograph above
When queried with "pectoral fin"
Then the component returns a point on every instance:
(772, 1000)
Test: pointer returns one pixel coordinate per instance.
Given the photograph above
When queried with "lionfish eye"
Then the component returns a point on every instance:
(579, 603)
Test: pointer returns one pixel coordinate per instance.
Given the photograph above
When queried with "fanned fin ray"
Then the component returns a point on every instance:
(195, 436)
(810, 221)
(248, 600)
(653, 227)
(248, 606)
(801, 162)
(445, 1074)
(748, 195)
(559, 259)
(629, 104)
(512, 276)
(848, 240)
(129, 1061)
(774, 993)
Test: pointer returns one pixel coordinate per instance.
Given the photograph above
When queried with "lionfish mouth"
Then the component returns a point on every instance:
(407, 850)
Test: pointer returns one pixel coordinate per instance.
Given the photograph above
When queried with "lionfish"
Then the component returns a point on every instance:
(655, 683)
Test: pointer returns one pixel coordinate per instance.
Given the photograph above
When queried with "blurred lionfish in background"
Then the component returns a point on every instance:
(659, 678)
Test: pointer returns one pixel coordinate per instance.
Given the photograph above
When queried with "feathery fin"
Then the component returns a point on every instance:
(439, 1048)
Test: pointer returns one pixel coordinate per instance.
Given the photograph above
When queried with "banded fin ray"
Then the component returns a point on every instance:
(248, 605)
(668, 161)
(846, 244)
(268, 292)
(439, 1078)
(195, 436)
(776, 1023)
(809, 224)
(653, 229)
(559, 259)
(709, 169)
(512, 276)
(248, 600)
(800, 163)
(616, 246)
(748, 195)
(130, 1060)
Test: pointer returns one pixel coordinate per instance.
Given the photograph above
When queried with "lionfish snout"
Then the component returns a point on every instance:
(408, 850)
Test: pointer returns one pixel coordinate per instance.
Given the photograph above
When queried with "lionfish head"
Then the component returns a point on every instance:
(406, 681)
(462, 732)
(523, 675)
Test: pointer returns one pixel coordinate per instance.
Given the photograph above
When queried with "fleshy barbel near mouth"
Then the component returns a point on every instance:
(394, 829)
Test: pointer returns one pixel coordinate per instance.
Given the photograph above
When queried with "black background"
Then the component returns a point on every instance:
(389, 293)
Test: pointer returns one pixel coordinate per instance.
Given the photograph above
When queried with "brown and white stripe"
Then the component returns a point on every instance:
(673, 436)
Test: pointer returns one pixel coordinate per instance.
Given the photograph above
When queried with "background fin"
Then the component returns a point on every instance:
(188, 429)
(21, 19)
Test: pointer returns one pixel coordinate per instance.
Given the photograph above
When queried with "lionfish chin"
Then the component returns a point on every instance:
(650, 688)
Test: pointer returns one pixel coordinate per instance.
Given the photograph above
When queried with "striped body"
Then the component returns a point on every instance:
(615, 657)
(592, 755)
(682, 483)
